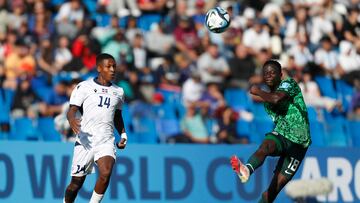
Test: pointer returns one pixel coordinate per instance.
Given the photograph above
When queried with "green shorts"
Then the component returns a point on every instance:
(291, 154)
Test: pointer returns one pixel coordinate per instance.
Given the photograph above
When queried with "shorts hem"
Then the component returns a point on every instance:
(113, 156)
(79, 175)
(272, 136)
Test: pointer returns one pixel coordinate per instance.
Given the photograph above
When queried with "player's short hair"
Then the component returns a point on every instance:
(74, 81)
(101, 57)
(274, 64)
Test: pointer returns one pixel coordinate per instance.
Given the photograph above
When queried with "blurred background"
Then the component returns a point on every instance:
(182, 83)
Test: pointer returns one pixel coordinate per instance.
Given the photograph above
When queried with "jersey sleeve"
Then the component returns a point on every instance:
(122, 100)
(289, 87)
(78, 95)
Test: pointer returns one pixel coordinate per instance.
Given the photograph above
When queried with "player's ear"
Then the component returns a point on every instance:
(99, 66)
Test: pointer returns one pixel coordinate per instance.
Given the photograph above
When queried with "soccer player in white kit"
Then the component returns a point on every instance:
(99, 101)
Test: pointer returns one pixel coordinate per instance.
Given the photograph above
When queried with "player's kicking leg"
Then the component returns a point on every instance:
(240, 169)
(270, 146)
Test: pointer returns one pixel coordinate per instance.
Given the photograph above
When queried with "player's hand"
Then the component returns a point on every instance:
(121, 144)
(75, 125)
(255, 90)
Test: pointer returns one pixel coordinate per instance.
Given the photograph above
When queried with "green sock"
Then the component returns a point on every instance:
(253, 163)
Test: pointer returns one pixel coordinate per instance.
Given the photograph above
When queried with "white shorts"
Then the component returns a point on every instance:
(84, 160)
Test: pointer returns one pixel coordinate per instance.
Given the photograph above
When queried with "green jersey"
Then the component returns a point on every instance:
(290, 116)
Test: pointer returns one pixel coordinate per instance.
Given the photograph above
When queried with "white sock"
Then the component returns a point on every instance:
(96, 198)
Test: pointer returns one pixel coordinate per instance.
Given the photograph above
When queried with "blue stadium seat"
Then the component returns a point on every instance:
(46, 127)
(336, 129)
(354, 132)
(65, 76)
(170, 96)
(6, 100)
(259, 112)
(102, 20)
(90, 5)
(144, 21)
(243, 128)
(312, 114)
(317, 132)
(180, 109)
(260, 128)
(127, 118)
(344, 88)
(39, 81)
(126, 115)
(346, 92)
(57, 2)
(140, 109)
(167, 128)
(133, 138)
(145, 129)
(23, 129)
(237, 99)
(334, 116)
(123, 22)
(43, 93)
(210, 125)
(4, 135)
(164, 111)
(336, 134)
(326, 86)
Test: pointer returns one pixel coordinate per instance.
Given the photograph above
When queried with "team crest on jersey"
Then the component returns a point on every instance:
(115, 93)
(95, 90)
(104, 90)
(285, 85)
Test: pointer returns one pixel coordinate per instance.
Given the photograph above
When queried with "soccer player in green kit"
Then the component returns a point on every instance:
(291, 137)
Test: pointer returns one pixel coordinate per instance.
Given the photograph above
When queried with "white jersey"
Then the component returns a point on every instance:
(98, 104)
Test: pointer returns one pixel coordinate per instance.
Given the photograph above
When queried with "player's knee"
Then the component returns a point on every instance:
(73, 187)
(75, 184)
(105, 176)
(266, 148)
(262, 151)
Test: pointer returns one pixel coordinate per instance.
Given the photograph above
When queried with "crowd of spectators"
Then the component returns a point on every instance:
(163, 46)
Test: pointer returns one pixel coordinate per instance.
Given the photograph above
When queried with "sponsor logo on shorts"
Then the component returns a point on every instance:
(287, 172)
(79, 169)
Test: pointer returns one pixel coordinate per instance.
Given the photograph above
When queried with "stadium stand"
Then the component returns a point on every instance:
(154, 91)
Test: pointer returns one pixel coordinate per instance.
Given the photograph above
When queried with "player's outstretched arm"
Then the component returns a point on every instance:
(119, 125)
(271, 97)
(73, 121)
(256, 98)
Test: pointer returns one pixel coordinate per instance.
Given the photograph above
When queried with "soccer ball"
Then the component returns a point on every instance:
(217, 20)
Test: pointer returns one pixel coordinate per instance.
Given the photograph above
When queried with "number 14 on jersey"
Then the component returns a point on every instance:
(106, 102)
